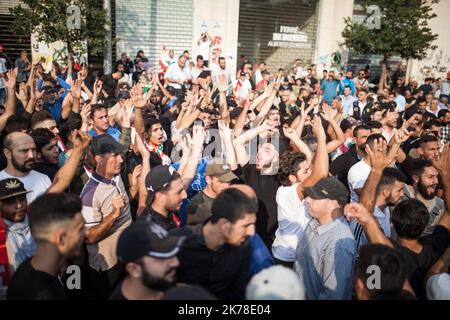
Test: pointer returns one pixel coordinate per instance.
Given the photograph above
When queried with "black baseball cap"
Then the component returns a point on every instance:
(158, 178)
(11, 187)
(49, 89)
(328, 188)
(104, 143)
(123, 95)
(145, 238)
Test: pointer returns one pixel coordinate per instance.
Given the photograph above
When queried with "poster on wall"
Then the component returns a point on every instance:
(56, 51)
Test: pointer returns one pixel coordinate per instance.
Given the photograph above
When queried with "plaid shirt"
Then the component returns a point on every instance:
(445, 134)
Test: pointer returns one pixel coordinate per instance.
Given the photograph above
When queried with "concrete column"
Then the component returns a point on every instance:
(330, 26)
(220, 19)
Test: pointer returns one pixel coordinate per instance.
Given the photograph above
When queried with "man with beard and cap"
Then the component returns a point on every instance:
(149, 255)
(425, 182)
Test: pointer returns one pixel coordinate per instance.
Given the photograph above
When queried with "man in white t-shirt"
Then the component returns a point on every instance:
(198, 68)
(357, 175)
(389, 193)
(204, 45)
(222, 70)
(176, 75)
(347, 100)
(20, 153)
(242, 86)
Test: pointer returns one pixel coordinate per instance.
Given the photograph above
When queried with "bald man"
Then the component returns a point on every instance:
(20, 152)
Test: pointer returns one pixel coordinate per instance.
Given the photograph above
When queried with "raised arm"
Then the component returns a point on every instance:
(291, 135)
(378, 161)
(198, 137)
(139, 103)
(64, 176)
(443, 166)
(223, 88)
(127, 112)
(226, 136)
(371, 227)
(321, 163)
(66, 106)
(339, 139)
(10, 108)
(145, 154)
(240, 142)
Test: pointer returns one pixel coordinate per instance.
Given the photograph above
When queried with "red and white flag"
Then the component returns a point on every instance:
(164, 59)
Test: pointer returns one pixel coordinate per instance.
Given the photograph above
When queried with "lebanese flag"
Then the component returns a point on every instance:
(259, 80)
(238, 87)
(163, 58)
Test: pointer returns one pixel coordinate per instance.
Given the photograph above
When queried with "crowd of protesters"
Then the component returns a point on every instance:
(204, 182)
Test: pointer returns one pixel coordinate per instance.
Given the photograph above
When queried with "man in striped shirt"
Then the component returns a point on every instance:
(326, 254)
(106, 209)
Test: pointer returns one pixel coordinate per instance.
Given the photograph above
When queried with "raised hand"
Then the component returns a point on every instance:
(198, 136)
(401, 135)
(378, 154)
(136, 174)
(80, 139)
(75, 90)
(224, 129)
(127, 111)
(137, 97)
(358, 212)
(97, 87)
(83, 73)
(443, 163)
(289, 133)
(313, 101)
(326, 112)
(22, 94)
(85, 113)
(222, 83)
(10, 82)
(143, 151)
(317, 129)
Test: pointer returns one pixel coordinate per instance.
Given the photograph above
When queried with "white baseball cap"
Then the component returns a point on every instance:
(438, 287)
(275, 283)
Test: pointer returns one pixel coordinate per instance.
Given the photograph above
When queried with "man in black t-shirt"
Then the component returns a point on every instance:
(57, 226)
(165, 195)
(262, 177)
(149, 255)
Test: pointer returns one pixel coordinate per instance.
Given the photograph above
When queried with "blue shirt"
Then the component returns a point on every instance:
(329, 90)
(111, 131)
(346, 82)
(55, 108)
(325, 260)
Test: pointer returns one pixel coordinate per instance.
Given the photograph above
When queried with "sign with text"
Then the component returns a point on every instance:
(289, 37)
